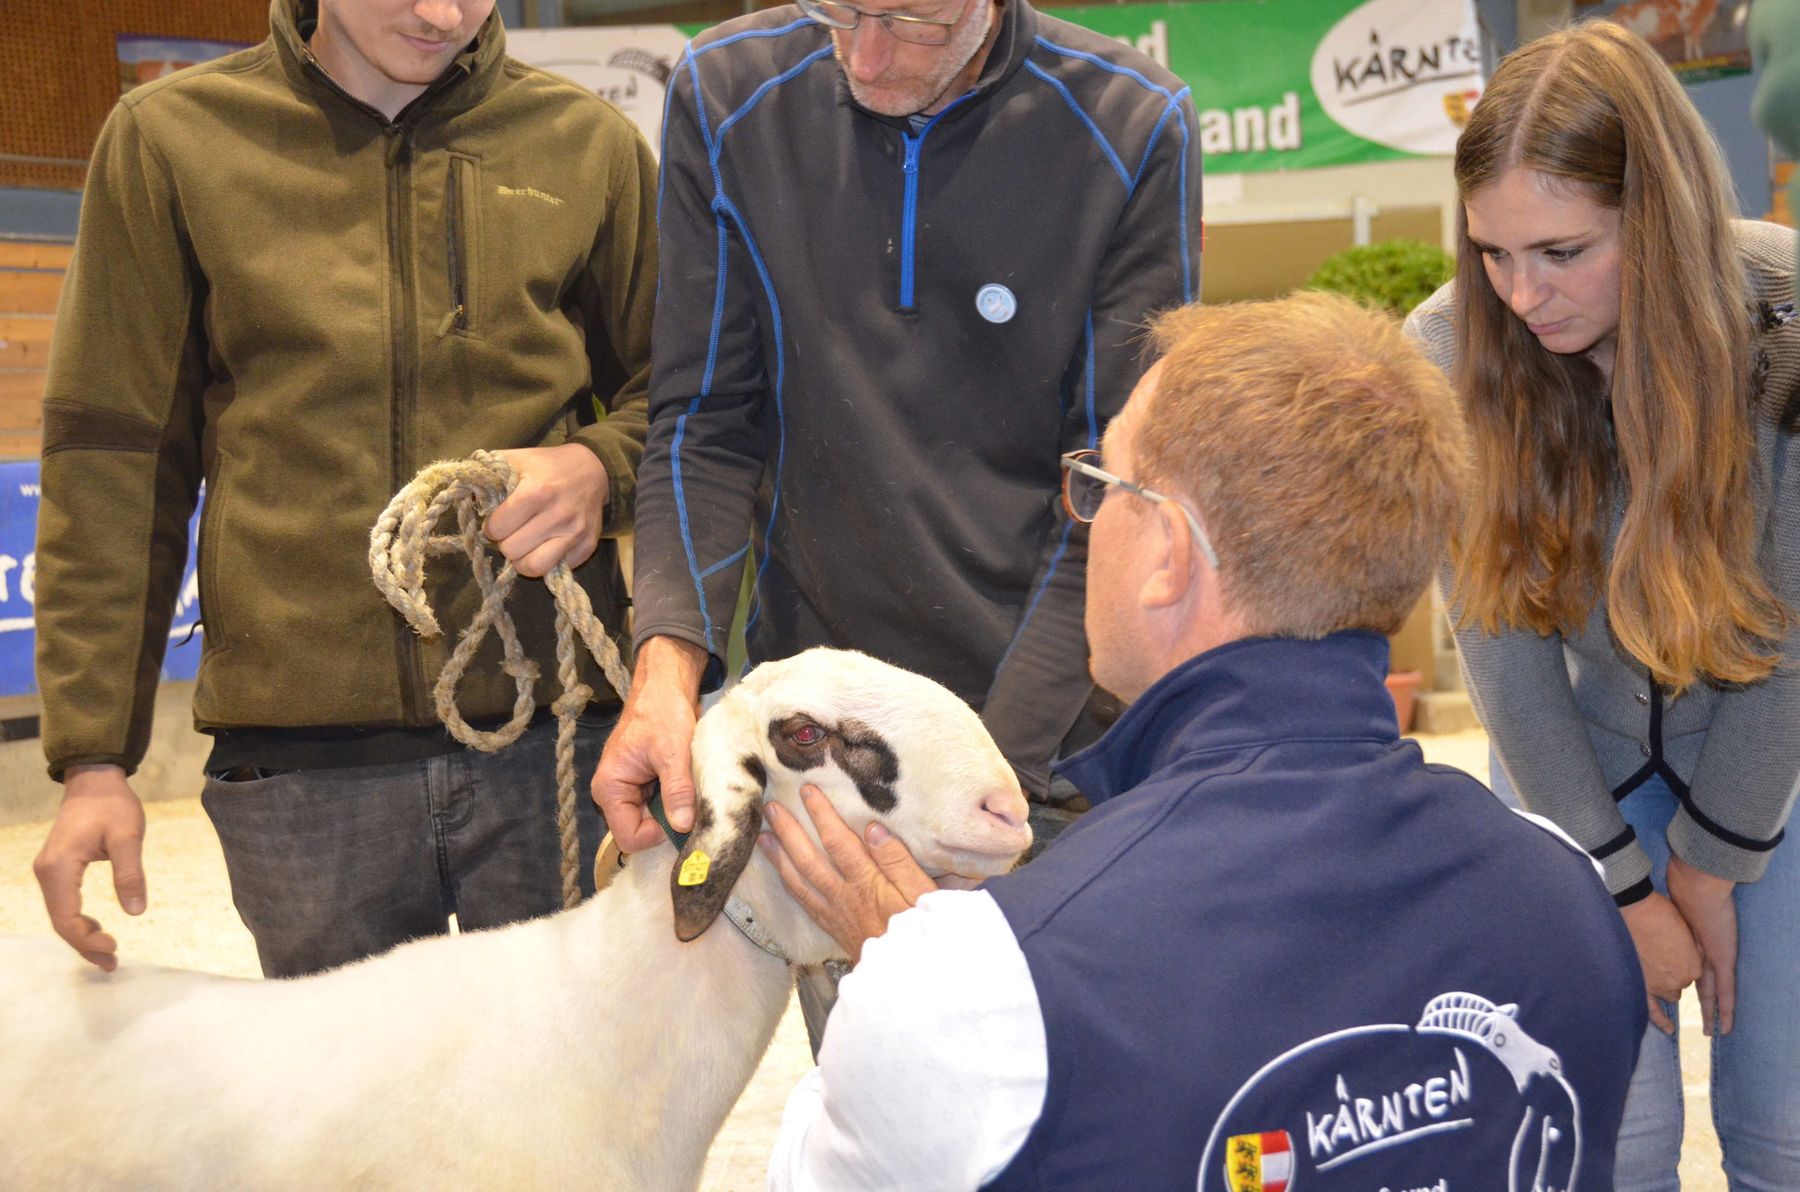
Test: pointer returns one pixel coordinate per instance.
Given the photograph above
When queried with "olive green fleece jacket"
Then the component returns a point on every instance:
(279, 291)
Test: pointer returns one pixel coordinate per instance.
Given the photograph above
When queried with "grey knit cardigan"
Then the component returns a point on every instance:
(1577, 723)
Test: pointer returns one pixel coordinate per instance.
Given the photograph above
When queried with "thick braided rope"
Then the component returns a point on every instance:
(399, 546)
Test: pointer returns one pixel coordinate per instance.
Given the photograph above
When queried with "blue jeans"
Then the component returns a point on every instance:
(329, 866)
(1756, 1068)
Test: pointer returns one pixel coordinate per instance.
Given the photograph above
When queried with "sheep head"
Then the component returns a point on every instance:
(884, 745)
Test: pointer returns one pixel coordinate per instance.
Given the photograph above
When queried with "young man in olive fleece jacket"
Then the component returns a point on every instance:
(303, 272)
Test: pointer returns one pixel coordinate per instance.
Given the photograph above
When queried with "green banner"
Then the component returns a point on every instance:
(1294, 84)
(1278, 84)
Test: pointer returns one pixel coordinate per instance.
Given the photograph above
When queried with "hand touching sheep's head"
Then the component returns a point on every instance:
(882, 743)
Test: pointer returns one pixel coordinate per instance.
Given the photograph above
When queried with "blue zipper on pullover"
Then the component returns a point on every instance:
(909, 216)
(909, 213)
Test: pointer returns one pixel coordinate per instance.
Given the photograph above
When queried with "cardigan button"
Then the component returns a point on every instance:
(1641, 698)
(1644, 749)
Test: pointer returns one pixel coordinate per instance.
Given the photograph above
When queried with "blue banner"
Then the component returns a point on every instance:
(18, 595)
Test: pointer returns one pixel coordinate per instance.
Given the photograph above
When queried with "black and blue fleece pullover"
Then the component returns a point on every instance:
(873, 342)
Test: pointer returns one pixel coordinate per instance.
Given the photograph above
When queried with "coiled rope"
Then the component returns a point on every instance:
(399, 545)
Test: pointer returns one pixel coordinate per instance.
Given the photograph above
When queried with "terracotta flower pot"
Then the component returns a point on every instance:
(1404, 687)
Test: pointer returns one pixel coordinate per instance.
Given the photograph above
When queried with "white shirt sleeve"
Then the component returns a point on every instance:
(1551, 827)
(934, 1068)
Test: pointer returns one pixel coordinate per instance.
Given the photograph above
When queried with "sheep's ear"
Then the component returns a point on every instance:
(726, 824)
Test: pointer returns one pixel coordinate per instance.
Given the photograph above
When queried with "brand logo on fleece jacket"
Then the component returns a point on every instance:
(529, 192)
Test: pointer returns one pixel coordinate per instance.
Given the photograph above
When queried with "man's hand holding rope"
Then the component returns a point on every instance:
(555, 513)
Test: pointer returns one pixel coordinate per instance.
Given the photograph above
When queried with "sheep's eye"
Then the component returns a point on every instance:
(808, 734)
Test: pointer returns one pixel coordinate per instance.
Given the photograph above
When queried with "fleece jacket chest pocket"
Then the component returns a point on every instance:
(462, 230)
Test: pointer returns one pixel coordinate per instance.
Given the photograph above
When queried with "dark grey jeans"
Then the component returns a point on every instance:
(329, 866)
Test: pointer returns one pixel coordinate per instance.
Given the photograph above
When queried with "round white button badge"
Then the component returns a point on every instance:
(996, 303)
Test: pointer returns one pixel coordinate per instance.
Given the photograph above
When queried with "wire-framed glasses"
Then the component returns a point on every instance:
(1084, 487)
(919, 30)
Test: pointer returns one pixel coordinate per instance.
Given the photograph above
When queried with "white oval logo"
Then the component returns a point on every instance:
(627, 67)
(996, 303)
(1401, 74)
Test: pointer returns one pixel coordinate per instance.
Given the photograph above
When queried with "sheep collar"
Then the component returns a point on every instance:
(736, 909)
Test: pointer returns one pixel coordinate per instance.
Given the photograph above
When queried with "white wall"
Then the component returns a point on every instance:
(1277, 197)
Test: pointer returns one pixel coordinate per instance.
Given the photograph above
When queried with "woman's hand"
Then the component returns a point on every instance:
(1706, 903)
(1666, 950)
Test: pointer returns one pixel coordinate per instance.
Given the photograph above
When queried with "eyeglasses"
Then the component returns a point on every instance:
(920, 31)
(1084, 487)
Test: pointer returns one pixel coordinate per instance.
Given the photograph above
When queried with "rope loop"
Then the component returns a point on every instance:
(404, 538)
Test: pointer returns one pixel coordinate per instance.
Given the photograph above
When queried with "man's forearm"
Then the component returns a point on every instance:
(669, 663)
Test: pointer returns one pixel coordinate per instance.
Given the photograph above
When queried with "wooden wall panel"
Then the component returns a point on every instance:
(21, 399)
(34, 254)
(25, 341)
(59, 72)
(29, 291)
(31, 276)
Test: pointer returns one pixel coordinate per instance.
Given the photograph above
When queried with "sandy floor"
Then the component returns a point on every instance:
(190, 924)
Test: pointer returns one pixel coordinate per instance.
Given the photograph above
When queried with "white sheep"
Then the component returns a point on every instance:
(589, 1048)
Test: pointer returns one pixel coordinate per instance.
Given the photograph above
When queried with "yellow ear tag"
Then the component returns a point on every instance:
(695, 869)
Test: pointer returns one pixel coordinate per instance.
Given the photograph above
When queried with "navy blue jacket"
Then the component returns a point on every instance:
(1284, 951)
(824, 378)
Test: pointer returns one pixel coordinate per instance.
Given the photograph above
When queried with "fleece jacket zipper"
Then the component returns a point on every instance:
(909, 216)
(401, 301)
(400, 402)
(909, 209)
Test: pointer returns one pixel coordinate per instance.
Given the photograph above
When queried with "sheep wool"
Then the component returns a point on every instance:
(592, 1046)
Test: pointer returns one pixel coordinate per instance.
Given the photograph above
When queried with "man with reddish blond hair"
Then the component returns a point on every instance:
(1281, 951)
(1388, 477)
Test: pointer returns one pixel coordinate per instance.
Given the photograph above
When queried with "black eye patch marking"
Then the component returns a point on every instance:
(871, 762)
(754, 767)
(794, 756)
(858, 750)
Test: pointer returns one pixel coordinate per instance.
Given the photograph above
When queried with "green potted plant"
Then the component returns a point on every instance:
(1393, 275)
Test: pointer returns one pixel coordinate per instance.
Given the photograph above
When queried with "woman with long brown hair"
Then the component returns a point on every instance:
(1625, 579)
